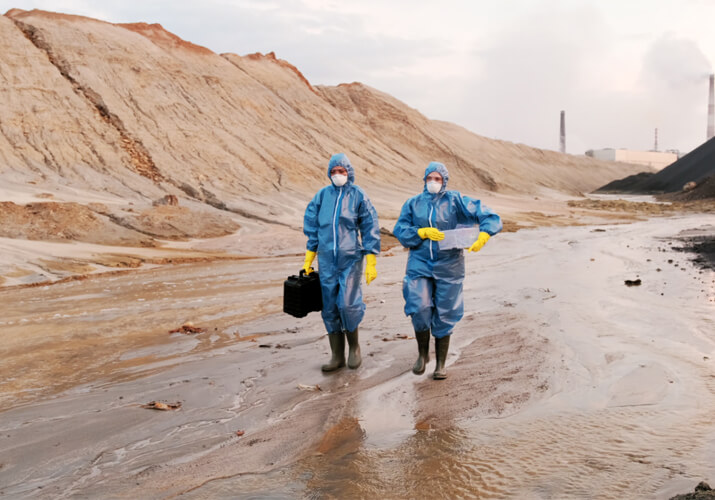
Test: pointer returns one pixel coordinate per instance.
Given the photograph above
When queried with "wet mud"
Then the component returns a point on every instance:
(563, 382)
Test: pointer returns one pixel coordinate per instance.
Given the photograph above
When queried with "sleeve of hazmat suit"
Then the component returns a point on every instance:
(405, 229)
(473, 211)
(310, 223)
(369, 226)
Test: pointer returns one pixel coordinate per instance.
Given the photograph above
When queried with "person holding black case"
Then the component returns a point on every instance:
(342, 226)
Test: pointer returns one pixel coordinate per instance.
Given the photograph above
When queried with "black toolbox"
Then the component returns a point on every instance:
(301, 294)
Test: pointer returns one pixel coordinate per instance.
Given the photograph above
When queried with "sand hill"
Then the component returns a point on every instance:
(115, 117)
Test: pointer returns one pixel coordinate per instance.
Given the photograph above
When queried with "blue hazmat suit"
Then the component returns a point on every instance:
(432, 286)
(332, 221)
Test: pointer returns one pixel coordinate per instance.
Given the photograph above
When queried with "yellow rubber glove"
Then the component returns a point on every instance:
(309, 258)
(481, 241)
(370, 270)
(430, 232)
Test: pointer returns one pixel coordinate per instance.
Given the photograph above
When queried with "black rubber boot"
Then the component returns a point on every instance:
(337, 347)
(441, 346)
(354, 358)
(423, 350)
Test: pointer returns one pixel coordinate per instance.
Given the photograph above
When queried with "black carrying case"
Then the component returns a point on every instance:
(301, 294)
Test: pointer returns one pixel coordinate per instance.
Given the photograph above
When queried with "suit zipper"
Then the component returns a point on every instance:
(335, 217)
(431, 210)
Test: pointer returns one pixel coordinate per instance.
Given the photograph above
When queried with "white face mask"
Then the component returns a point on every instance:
(339, 179)
(434, 186)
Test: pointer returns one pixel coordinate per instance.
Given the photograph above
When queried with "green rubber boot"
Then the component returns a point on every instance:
(441, 346)
(337, 347)
(423, 350)
(354, 358)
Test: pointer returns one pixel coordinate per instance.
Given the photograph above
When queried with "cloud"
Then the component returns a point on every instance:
(674, 80)
(616, 88)
(674, 64)
(530, 72)
(328, 45)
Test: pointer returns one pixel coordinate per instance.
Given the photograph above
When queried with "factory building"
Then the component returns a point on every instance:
(654, 159)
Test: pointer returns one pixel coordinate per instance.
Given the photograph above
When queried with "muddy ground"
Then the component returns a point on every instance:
(562, 380)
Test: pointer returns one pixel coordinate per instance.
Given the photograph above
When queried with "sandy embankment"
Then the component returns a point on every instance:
(63, 240)
(563, 381)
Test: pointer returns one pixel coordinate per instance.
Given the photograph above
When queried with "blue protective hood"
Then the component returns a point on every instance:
(342, 160)
(438, 167)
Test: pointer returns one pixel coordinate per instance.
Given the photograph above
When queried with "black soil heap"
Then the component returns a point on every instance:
(702, 492)
(698, 166)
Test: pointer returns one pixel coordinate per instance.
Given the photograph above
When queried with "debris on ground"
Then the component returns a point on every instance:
(702, 491)
(277, 346)
(240, 433)
(304, 387)
(703, 246)
(158, 405)
(188, 329)
(399, 336)
(633, 282)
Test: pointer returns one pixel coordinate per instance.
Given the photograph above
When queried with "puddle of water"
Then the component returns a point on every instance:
(280, 485)
(607, 454)
(386, 413)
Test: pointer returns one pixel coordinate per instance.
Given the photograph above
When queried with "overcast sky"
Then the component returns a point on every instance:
(501, 68)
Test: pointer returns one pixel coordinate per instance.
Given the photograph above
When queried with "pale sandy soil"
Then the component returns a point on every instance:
(58, 245)
(562, 380)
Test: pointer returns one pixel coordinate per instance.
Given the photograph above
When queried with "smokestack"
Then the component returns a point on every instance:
(655, 147)
(711, 110)
(562, 136)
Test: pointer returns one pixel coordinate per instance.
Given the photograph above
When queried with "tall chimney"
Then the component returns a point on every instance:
(562, 136)
(711, 110)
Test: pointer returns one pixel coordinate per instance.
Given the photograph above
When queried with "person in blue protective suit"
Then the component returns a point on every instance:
(341, 225)
(432, 286)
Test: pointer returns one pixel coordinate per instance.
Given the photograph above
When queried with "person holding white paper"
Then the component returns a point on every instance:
(432, 286)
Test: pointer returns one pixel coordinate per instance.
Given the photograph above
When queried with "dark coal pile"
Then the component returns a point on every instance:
(631, 184)
(704, 190)
(703, 247)
(696, 167)
(702, 492)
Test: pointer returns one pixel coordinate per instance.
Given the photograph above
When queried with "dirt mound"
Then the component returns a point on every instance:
(701, 492)
(189, 122)
(705, 189)
(51, 221)
(157, 34)
(176, 223)
(644, 208)
(631, 184)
